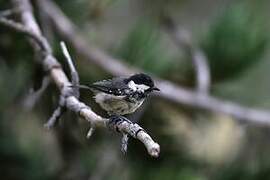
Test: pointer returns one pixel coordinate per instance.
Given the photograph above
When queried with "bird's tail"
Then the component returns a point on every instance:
(82, 87)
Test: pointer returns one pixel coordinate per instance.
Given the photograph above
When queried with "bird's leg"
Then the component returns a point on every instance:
(117, 119)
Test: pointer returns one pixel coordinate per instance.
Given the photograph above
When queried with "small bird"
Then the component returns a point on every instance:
(122, 95)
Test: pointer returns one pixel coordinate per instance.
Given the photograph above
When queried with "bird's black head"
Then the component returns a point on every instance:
(143, 79)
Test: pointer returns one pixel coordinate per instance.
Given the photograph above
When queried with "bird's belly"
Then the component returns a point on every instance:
(116, 104)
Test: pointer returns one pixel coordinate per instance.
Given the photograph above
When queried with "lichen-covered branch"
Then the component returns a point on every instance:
(68, 99)
(134, 130)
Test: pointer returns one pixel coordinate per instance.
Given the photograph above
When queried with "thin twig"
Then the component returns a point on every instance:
(169, 90)
(9, 12)
(31, 99)
(23, 29)
(58, 112)
(74, 74)
(68, 57)
(5, 13)
(90, 132)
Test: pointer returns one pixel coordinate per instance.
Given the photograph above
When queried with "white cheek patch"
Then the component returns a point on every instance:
(137, 87)
(132, 85)
(142, 87)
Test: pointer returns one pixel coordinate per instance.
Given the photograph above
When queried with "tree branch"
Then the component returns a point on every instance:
(169, 90)
(69, 100)
(9, 12)
(183, 40)
(23, 29)
(31, 99)
(74, 74)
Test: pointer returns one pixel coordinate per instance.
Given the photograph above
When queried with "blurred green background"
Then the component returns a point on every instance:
(195, 145)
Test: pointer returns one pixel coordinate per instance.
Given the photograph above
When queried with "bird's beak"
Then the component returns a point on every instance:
(155, 89)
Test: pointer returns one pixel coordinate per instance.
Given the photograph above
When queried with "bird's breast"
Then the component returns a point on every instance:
(119, 105)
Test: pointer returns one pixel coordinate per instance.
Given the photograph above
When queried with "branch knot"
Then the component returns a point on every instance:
(50, 63)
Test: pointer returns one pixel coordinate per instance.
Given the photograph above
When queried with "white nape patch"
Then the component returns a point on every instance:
(137, 87)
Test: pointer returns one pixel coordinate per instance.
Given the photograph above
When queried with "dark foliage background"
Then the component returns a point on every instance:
(195, 145)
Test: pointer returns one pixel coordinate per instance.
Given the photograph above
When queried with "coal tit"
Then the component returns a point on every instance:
(122, 95)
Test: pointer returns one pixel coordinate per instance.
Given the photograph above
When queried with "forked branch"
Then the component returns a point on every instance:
(69, 98)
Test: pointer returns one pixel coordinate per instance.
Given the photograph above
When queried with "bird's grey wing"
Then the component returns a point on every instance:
(116, 86)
